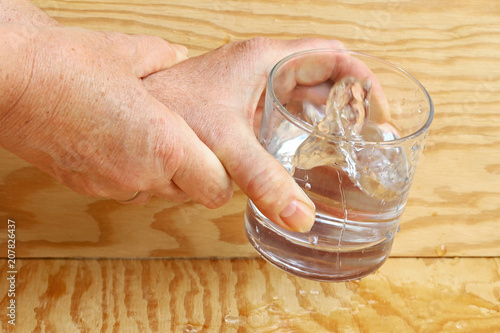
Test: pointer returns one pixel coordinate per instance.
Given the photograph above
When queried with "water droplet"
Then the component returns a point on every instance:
(415, 147)
(314, 292)
(190, 329)
(306, 177)
(233, 320)
(302, 292)
(256, 229)
(440, 250)
(313, 239)
(307, 186)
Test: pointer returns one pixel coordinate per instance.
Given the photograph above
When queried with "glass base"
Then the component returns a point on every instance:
(321, 262)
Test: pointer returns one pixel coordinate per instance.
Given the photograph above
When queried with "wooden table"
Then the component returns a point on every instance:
(155, 273)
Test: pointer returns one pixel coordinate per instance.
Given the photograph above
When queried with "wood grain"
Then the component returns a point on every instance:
(249, 295)
(453, 48)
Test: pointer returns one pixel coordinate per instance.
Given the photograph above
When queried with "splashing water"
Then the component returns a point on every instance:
(346, 117)
(356, 185)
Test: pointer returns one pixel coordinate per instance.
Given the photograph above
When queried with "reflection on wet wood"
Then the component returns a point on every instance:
(249, 295)
(452, 48)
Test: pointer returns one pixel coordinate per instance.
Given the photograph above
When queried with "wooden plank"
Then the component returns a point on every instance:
(452, 48)
(249, 295)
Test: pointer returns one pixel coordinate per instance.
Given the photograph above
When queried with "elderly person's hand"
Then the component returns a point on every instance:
(219, 94)
(73, 104)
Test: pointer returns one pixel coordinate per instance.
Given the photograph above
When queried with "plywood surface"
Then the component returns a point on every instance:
(453, 212)
(453, 48)
(249, 295)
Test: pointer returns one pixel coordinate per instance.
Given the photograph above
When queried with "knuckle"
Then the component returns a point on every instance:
(218, 198)
(173, 160)
(215, 190)
(256, 43)
(338, 44)
(253, 47)
(169, 156)
(264, 185)
(111, 39)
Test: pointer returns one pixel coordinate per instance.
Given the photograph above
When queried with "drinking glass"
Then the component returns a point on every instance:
(359, 184)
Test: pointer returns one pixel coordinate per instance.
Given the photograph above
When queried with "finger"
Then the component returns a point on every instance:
(100, 189)
(169, 192)
(190, 165)
(153, 54)
(265, 181)
(317, 94)
(318, 68)
(347, 65)
(335, 66)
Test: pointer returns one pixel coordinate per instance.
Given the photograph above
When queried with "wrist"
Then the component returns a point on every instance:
(16, 63)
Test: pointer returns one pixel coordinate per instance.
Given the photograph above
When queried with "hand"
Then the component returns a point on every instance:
(220, 93)
(82, 114)
(25, 12)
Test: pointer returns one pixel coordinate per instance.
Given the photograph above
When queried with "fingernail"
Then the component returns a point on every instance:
(298, 216)
(181, 49)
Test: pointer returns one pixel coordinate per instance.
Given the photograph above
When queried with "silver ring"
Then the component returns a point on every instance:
(136, 194)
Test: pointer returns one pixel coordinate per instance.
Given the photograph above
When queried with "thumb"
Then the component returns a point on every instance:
(266, 182)
(154, 54)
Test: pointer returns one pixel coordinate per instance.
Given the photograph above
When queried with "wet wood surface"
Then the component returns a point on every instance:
(452, 48)
(249, 295)
(453, 211)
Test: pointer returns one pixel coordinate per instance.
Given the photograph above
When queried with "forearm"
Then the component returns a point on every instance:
(24, 12)
(16, 59)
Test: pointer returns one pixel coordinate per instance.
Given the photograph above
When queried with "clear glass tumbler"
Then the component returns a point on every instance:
(359, 185)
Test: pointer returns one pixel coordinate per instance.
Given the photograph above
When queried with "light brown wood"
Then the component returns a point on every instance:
(453, 48)
(405, 295)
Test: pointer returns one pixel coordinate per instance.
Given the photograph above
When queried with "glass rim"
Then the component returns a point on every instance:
(336, 138)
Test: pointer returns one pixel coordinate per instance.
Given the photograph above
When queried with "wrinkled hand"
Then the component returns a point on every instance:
(219, 94)
(83, 115)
